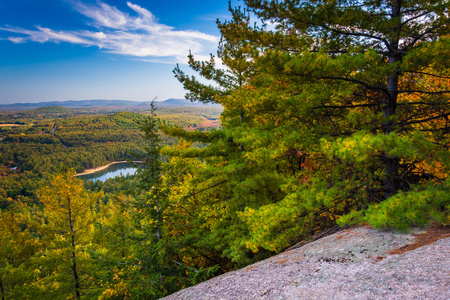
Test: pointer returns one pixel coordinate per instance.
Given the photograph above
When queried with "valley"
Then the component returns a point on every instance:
(36, 143)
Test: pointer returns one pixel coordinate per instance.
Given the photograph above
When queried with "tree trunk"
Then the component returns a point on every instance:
(241, 120)
(74, 258)
(1, 289)
(74, 271)
(392, 182)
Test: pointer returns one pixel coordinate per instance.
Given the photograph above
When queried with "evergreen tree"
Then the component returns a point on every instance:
(374, 61)
(346, 104)
(149, 267)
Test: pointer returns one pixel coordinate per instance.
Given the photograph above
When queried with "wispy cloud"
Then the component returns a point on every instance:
(16, 40)
(138, 34)
(43, 35)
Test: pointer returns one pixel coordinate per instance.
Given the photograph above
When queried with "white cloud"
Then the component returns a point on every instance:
(43, 35)
(102, 14)
(271, 26)
(118, 32)
(17, 40)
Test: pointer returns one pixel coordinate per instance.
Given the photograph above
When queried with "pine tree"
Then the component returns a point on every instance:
(346, 104)
(368, 58)
(145, 268)
(151, 172)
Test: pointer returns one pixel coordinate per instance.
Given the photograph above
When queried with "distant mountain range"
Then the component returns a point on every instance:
(126, 104)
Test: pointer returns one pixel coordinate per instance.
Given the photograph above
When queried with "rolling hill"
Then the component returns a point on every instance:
(124, 104)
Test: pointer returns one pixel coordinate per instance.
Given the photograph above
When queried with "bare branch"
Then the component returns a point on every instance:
(423, 92)
(426, 120)
(415, 17)
(359, 34)
(368, 97)
(345, 106)
(420, 102)
(419, 37)
(370, 87)
(428, 74)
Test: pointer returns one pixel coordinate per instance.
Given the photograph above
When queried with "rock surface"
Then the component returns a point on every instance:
(356, 263)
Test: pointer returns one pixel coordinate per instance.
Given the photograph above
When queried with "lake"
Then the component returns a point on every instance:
(114, 170)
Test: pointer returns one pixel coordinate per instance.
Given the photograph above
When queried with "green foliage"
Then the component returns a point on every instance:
(416, 208)
(17, 247)
(339, 108)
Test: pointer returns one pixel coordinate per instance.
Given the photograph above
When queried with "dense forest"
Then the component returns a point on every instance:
(334, 113)
(44, 139)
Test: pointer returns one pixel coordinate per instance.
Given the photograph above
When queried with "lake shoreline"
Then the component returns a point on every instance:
(95, 170)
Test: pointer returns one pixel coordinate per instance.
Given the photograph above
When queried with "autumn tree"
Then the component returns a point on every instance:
(17, 247)
(66, 267)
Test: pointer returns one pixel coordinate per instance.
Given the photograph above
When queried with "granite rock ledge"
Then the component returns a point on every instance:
(356, 263)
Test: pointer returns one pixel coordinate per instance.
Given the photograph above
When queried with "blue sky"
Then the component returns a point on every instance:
(56, 50)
